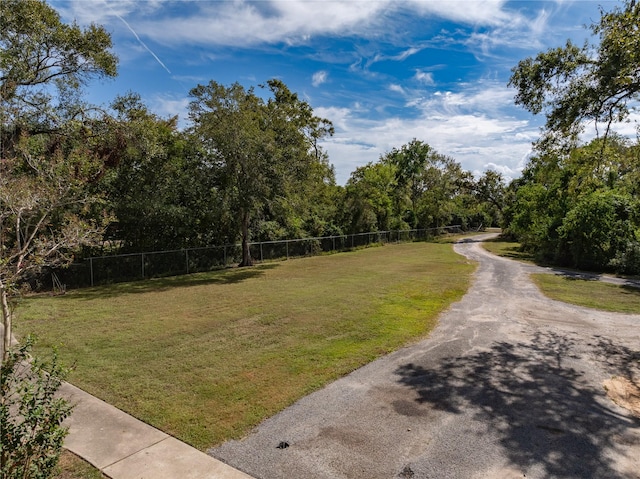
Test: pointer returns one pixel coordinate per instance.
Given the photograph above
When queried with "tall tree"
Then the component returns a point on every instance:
(161, 194)
(575, 204)
(258, 150)
(573, 85)
(369, 198)
(40, 54)
(410, 160)
(45, 155)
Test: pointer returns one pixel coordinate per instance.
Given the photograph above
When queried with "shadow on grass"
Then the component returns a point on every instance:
(544, 412)
(223, 276)
(632, 288)
(509, 249)
(629, 285)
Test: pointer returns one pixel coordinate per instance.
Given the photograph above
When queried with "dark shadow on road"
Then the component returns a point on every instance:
(544, 411)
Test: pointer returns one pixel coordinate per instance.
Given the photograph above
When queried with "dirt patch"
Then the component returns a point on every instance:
(624, 393)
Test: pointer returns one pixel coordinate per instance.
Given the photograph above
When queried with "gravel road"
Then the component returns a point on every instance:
(510, 384)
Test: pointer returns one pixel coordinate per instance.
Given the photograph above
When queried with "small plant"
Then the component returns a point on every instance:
(31, 431)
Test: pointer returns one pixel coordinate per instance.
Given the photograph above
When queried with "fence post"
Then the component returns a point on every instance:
(224, 255)
(91, 270)
(142, 256)
(186, 255)
(287, 247)
(261, 257)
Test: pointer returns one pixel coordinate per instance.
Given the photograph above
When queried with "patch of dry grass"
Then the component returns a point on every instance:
(72, 467)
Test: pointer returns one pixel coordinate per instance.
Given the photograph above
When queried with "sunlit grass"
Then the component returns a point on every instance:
(587, 293)
(205, 357)
(590, 293)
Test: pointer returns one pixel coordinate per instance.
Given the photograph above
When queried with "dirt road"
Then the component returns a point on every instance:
(510, 384)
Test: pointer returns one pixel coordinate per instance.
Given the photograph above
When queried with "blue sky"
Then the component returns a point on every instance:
(384, 72)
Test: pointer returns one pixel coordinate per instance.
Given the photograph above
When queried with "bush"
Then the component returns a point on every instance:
(627, 261)
(31, 415)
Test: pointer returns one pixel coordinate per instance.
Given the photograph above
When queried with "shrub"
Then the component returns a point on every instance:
(31, 431)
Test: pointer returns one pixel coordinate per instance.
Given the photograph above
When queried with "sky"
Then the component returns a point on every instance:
(383, 71)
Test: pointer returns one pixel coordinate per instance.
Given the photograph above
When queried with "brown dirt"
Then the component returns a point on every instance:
(624, 393)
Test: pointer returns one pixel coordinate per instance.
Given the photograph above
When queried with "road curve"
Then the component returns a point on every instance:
(510, 384)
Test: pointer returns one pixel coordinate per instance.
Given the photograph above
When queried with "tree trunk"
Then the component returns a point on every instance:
(6, 321)
(246, 252)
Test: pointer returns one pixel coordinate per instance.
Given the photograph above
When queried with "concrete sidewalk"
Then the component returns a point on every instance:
(123, 447)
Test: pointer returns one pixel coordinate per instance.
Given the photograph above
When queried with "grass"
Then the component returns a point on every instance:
(72, 467)
(586, 293)
(507, 249)
(206, 357)
(590, 294)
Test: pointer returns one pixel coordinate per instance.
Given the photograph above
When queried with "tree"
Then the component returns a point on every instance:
(490, 190)
(369, 198)
(599, 228)
(37, 53)
(43, 210)
(573, 85)
(259, 151)
(579, 209)
(161, 195)
(46, 158)
(411, 161)
(576, 203)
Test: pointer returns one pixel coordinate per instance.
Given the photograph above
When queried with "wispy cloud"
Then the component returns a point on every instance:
(170, 106)
(319, 78)
(243, 23)
(426, 78)
(455, 124)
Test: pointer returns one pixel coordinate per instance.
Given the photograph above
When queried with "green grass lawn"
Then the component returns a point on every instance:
(507, 249)
(590, 294)
(205, 357)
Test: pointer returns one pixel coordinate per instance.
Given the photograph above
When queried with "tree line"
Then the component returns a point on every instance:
(82, 179)
(578, 203)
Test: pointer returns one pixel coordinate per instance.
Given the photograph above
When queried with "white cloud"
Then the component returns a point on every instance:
(484, 12)
(168, 106)
(244, 23)
(426, 78)
(475, 127)
(319, 78)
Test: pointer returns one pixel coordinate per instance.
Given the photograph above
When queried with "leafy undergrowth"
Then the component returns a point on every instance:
(206, 357)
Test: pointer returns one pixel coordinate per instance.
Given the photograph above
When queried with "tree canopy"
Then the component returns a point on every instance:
(260, 152)
(46, 155)
(575, 84)
(577, 204)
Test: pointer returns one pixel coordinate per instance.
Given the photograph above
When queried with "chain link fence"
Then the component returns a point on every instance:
(138, 266)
